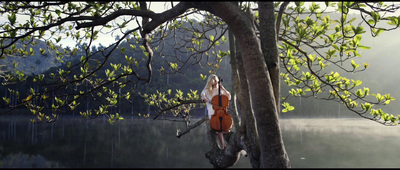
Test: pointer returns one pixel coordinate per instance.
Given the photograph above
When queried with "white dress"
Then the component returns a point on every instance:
(214, 92)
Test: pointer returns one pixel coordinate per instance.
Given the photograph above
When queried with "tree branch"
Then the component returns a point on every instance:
(179, 133)
(103, 20)
(279, 18)
(181, 102)
(166, 16)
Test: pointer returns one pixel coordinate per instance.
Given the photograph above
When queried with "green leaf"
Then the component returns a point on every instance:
(359, 30)
(359, 93)
(371, 22)
(336, 47)
(287, 107)
(223, 39)
(375, 16)
(363, 47)
(173, 66)
(212, 38)
(203, 77)
(58, 12)
(309, 21)
(42, 50)
(353, 63)
(379, 97)
(58, 39)
(12, 18)
(377, 32)
(123, 50)
(366, 106)
(299, 3)
(357, 39)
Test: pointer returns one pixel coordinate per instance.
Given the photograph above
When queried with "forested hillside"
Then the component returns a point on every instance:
(39, 58)
(186, 78)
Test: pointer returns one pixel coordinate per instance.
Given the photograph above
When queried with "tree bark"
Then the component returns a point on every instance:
(269, 46)
(272, 150)
(235, 84)
(251, 134)
(241, 89)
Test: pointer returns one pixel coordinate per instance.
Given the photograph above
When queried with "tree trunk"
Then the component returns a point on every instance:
(235, 84)
(241, 89)
(252, 139)
(272, 150)
(269, 46)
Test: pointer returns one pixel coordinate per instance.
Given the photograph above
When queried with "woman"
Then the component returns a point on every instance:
(210, 90)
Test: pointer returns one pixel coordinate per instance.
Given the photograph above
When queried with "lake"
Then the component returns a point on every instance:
(75, 142)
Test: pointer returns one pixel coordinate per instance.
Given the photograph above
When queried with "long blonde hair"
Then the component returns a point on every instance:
(208, 86)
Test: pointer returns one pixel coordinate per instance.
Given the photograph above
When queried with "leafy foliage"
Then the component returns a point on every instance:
(106, 81)
(317, 50)
(312, 43)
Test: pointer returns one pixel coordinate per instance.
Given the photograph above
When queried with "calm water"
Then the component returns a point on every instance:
(145, 143)
(341, 143)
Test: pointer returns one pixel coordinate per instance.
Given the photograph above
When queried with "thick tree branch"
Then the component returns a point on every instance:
(166, 16)
(279, 17)
(104, 20)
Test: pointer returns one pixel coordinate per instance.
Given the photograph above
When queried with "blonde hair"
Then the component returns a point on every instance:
(208, 86)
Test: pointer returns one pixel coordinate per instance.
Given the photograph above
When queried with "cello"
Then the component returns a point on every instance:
(221, 120)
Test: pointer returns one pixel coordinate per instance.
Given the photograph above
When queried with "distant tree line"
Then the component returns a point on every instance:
(186, 78)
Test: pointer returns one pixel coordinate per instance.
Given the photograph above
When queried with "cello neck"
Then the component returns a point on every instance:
(219, 91)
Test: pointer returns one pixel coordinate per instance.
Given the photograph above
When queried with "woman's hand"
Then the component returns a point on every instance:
(205, 99)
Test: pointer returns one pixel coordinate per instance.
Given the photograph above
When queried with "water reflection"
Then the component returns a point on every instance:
(76, 143)
(341, 143)
(145, 143)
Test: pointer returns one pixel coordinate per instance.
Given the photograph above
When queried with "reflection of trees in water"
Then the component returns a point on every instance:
(76, 142)
(21, 160)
